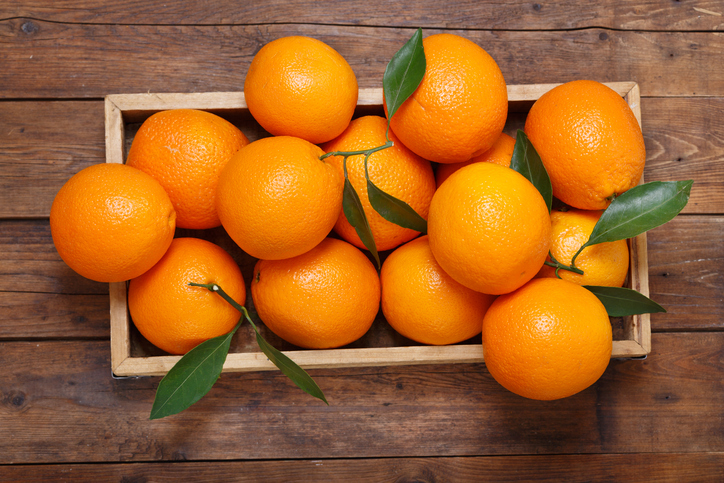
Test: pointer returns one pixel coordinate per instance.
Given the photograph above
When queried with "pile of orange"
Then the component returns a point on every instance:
(481, 268)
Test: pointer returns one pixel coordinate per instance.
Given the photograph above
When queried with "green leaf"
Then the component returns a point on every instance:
(395, 210)
(192, 376)
(404, 73)
(527, 162)
(355, 214)
(639, 210)
(289, 368)
(621, 301)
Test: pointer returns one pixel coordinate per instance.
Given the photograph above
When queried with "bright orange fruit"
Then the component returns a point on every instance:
(277, 199)
(602, 264)
(460, 107)
(185, 150)
(397, 171)
(589, 141)
(489, 228)
(327, 297)
(500, 153)
(548, 340)
(300, 86)
(111, 222)
(425, 304)
(175, 316)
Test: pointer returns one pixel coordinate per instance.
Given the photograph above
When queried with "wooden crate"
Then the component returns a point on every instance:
(131, 355)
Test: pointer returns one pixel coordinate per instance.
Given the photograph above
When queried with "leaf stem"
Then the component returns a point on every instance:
(366, 152)
(558, 266)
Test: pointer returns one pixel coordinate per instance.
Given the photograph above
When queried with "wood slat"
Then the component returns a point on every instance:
(30, 263)
(686, 273)
(42, 144)
(59, 404)
(652, 468)
(51, 316)
(468, 14)
(47, 59)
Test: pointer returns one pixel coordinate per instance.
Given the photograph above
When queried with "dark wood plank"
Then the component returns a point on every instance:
(468, 14)
(29, 262)
(42, 144)
(53, 316)
(46, 59)
(686, 273)
(60, 404)
(684, 141)
(652, 468)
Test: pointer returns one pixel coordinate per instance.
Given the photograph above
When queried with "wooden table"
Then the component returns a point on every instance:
(63, 415)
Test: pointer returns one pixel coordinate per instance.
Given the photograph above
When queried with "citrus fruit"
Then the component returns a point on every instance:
(589, 141)
(548, 340)
(602, 264)
(300, 86)
(423, 303)
(111, 222)
(325, 298)
(175, 316)
(185, 149)
(460, 107)
(396, 170)
(500, 153)
(277, 199)
(489, 228)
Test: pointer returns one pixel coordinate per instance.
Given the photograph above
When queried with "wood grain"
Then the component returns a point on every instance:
(60, 60)
(467, 14)
(652, 468)
(59, 404)
(686, 273)
(45, 143)
(33, 315)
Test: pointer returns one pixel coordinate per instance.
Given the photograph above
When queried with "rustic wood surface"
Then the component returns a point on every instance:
(63, 415)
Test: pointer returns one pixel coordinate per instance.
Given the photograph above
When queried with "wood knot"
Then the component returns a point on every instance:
(603, 36)
(29, 27)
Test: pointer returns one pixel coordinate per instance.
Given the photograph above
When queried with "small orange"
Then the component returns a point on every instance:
(501, 153)
(300, 86)
(602, 264)
(589, 141)
(548, 340)
(277, 199)
(397, 171)
(460, 107)
(185, 150)
(423, 303)
(175, 316)
(111, 222)
(325, 298)
(489, 228)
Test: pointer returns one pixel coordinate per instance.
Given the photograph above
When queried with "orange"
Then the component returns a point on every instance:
(325, 298)
(589, 141)
(300, 86)
(602, 264)
(175, 316)
(185, 150)
(111, 222)
(489, 228)
(460, 107)
(397, 171)
(277, 199)
(423, 303)
(501, 153)
(548, 340)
